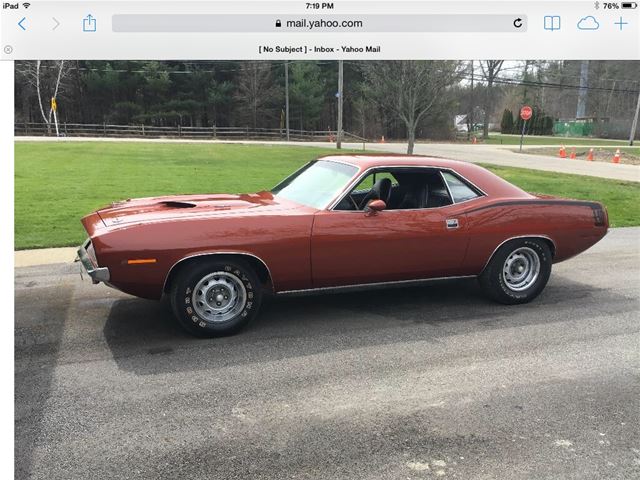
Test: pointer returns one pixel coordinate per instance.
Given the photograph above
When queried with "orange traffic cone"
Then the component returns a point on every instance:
(475, 140)
(573, 153)
(562, 153)
(590, 155)
(616, 157)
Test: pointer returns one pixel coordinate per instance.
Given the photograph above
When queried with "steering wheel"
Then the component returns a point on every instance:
(353, 202)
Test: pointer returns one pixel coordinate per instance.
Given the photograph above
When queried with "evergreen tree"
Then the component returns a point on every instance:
(307, 94)
(506, 124)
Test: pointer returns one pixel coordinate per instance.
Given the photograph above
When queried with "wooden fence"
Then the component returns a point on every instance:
(197, 133)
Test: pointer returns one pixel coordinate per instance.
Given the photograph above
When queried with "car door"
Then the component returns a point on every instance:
(353, 247)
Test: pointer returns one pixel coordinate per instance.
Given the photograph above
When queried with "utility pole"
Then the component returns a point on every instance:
(634, 124)
(340, 84)
(286, 96)
(525, 75)
(470, 114)
(581, 111)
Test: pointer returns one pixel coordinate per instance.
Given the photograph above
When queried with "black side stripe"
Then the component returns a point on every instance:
(574, 203)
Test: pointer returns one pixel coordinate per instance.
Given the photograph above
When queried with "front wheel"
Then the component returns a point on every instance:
(518, 271)
(216, 298)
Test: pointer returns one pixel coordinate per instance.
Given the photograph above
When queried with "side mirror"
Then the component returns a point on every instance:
(374, 206)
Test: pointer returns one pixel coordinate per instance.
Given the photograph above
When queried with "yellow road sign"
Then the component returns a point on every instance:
(54, 105)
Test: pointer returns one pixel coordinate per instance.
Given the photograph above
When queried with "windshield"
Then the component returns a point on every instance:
(316, 184)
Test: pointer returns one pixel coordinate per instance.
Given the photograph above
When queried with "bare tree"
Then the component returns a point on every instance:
(256, 88)
(490, 70)
(360, 115)
(409, 89)
(47, 81)
(472, 104)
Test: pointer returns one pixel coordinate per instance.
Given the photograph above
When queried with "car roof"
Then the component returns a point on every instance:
(488, 182)
(394, 160)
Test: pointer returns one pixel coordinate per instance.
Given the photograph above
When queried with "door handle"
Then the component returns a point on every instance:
(452, 223)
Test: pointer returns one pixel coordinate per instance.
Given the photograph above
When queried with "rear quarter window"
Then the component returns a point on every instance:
(459, 189)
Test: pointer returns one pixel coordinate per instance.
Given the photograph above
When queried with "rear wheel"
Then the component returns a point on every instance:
(518, 271)
(216, 298)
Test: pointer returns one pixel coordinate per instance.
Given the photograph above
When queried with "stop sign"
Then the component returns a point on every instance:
(526, 112)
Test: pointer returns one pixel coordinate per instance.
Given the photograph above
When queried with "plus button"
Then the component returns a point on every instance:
(620, 23)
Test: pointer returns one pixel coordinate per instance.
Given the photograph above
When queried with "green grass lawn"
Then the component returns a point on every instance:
(545, 140)
(58, 183)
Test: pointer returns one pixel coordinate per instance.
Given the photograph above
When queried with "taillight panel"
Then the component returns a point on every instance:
(599, 216)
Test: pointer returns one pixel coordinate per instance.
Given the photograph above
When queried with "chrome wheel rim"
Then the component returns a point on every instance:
(521, 269)
(219, 297)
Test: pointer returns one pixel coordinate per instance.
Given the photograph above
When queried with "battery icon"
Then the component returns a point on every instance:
(629, 5)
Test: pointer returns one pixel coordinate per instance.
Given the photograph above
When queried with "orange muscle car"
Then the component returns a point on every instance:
(338, 221)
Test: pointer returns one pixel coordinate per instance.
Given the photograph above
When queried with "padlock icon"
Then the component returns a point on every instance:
(278, 23)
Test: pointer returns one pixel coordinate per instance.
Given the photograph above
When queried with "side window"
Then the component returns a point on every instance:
(367, 182)
(361, 194)
(420, 188)
(388, 175)
(460, 191)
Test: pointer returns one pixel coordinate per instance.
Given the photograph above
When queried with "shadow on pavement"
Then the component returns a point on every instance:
(38, 332)
(145, 339)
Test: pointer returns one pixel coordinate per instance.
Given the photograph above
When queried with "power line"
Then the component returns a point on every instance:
(539, 84)
(276, 64)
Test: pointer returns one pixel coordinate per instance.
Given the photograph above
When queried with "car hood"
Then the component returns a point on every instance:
(142, 210)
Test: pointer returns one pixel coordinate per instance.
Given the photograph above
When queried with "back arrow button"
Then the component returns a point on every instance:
(57, 23)
(20, 23)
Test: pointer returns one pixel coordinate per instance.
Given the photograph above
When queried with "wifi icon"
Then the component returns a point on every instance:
(26, 5)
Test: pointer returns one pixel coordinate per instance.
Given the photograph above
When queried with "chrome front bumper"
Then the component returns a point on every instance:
(97, 274)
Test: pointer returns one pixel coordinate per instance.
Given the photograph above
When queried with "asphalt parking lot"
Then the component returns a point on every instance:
(428, 382)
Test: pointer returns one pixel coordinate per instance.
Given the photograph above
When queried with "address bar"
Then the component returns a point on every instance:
(159, 23)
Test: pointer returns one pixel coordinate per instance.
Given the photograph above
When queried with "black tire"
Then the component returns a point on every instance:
(496, 277)
(232, 275)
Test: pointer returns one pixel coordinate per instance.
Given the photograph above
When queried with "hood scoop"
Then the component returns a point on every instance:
(178, 204)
